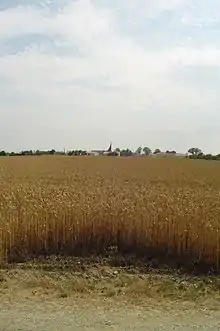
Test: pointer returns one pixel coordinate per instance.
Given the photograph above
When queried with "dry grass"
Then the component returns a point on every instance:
(163, 208)
(97, 278)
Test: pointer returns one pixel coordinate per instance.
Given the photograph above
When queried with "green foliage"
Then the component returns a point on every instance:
(157, 150)
(147, 150)
(126, 152)
(139, 150)
(77, 153)
(195, 151)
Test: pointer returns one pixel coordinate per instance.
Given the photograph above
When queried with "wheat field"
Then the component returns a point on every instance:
(167, 208)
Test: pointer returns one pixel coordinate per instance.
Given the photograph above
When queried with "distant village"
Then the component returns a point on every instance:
(145, 151)
(193, 153)
(141, 151)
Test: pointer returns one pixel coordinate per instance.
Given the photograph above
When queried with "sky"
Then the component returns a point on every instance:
(79, 74)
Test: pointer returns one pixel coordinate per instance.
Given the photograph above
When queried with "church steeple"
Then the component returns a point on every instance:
(110, 147)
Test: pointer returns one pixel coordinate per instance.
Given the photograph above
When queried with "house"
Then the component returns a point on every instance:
(108, 152)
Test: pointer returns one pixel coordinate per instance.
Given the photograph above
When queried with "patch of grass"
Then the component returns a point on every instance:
(3, 282)
(112, 282)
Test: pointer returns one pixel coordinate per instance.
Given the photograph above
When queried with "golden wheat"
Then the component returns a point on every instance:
(155, 207)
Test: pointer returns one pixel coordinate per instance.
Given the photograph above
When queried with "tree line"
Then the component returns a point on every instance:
(193, 153)
(122, 152)
(196, 153)
(30, 152)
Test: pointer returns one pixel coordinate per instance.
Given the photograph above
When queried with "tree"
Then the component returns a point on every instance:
(52, 152)
(157, 150)
(195, 151)
(126, 152)
(38, 152)
(209, 157)
(3, 153)
(139, 150)
(147, 150)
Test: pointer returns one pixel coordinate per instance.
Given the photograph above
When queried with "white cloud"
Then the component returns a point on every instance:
(114, 79)
(157, 6)
(147, 9)
(79, 22)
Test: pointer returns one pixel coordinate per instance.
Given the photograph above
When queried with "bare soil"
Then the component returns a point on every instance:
(87, 314)
(74, 294)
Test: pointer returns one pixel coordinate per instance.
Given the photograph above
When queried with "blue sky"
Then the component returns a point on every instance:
(77, 74)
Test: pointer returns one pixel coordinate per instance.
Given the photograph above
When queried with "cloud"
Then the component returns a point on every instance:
(83, 78)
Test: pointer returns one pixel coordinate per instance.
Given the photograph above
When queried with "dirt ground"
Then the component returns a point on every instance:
(79, 296)
(95, 314)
